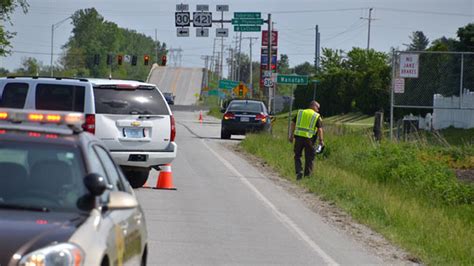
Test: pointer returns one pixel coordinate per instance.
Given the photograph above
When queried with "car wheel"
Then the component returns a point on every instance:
(225, 134)
(137, 178)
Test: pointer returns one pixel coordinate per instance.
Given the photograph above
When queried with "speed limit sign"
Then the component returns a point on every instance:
(182, 19)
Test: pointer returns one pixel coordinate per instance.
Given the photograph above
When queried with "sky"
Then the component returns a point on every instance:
(340, 24)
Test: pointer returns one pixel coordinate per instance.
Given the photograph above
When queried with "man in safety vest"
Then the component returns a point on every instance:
(307, 125)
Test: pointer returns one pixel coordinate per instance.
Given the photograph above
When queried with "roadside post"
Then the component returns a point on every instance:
(292, 80)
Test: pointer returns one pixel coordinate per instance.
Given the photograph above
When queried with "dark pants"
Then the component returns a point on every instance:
(309, 153)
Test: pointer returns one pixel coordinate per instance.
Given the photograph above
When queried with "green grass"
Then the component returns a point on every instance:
(399, 190)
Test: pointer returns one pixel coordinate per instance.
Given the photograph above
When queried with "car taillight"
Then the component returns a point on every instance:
(89, 126)
(173, 129)
(3, 115)
(261, 117)
(229, 115)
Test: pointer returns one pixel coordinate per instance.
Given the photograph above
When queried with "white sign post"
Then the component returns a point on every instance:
(399, 85)
(409, 64)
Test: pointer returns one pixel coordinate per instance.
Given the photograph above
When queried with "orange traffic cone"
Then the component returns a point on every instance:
(200, 117)
(165, 179)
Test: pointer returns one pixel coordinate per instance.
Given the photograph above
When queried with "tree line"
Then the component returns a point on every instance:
(93, 41)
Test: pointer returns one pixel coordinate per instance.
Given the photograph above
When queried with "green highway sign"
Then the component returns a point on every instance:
(228, 84)
(250, 21)
(247, 15)
(292, 79)
(247, 28)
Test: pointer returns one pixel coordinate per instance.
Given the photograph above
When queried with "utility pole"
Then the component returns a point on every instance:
(239, 57)
(156, 44)
(317, 48)
(231, 63)
(269, 65)
(251, 70)
(369, 24)
(207, 59)
(212, 67)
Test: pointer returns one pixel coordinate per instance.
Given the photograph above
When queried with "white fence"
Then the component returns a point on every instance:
(444, 117)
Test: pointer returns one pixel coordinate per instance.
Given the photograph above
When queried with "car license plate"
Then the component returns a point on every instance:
(134, 133)
(244, 119)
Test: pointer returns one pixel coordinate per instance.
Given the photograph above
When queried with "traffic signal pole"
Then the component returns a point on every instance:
(269, 59)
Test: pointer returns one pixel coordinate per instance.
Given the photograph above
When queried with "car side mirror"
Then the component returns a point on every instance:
(222, 110)
(119, 200)
(95, 183)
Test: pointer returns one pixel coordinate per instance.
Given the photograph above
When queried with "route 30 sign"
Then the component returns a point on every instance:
(182, 19)
(202, 19)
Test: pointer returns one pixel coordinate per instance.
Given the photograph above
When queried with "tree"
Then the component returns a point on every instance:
(6, 8)
(93, 35)
(29, 67)
(283, 65)
(305, 68)
(3, 72)
(466, 38)
(419, 42)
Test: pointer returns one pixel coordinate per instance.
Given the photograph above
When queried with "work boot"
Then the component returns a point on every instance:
(299, 176)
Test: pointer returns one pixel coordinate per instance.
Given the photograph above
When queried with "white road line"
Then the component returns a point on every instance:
(280, 216)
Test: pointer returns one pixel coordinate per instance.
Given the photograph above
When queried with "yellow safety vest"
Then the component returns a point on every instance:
(306, 123)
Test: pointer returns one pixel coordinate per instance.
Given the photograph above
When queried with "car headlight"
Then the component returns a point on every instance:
(59, 254)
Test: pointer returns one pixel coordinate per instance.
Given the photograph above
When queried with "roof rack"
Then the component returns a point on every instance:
(56, 78)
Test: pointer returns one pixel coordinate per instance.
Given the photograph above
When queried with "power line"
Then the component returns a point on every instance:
(316, 11)
(425, 12)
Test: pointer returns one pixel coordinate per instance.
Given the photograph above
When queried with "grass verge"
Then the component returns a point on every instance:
(400, 190)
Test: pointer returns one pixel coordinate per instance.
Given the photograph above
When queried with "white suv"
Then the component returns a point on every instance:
(132, 118)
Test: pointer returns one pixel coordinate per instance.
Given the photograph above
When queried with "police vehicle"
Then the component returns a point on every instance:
(63, 200)
(132, 118)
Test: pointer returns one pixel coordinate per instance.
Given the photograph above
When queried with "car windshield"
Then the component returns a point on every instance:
(245, 107)
(41, 176)
(129, 101)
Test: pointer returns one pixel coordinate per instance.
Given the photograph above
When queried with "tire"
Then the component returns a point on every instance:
(137, 178)
(225, 134)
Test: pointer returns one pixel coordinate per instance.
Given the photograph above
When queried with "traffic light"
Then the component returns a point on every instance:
(163, 60)
(109, 59)
(146, 60)
(134, 60)
(96, 59)
(119, 59)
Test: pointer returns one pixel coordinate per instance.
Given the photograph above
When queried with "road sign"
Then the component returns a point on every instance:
(267, 73)
(182, 7)
(247, 28)
(264, 51)
(202, 32)
(265, 38)
(264, 59)
(182, 19)
(202, 7)
(250, 21)
(228, 84)
(182, 32)
(292, 79)
(399, 86)
(202, 19)
(222, 32)
(247, 15)
(241, 90)
(222, 8)
(409, 65)
(267, 82)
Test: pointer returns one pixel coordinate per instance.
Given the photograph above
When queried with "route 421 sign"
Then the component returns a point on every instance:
(202, 19)
(182, 19)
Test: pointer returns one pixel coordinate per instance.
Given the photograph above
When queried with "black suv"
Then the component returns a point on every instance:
(63, 200)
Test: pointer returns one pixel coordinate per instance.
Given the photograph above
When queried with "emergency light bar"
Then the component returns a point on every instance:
(70, 119)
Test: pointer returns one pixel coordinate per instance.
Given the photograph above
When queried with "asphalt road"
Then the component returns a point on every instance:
(183, 82)
(225, 211)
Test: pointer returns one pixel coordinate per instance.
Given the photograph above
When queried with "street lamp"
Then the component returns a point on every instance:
(53, 27)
